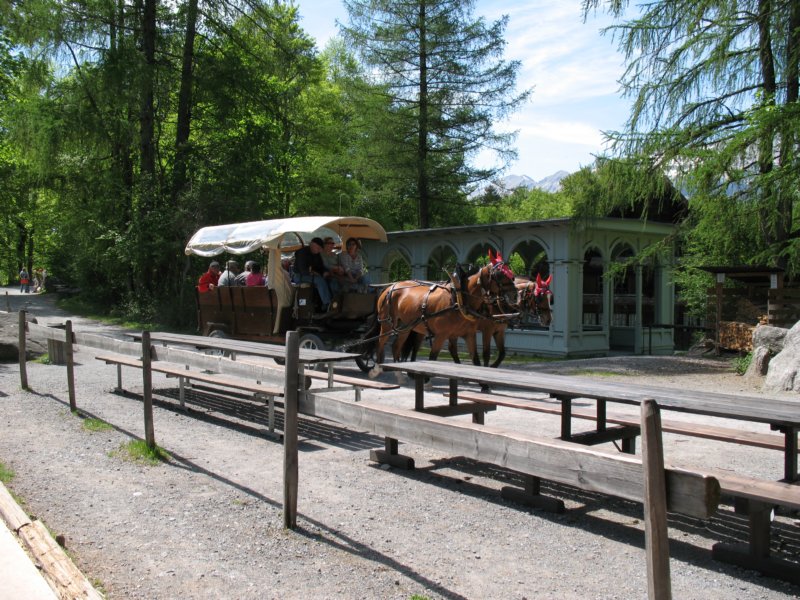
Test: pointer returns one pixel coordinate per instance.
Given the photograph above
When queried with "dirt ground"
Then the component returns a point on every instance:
(209, 523)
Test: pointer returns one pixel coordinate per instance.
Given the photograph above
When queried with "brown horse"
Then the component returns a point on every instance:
(440, 310)
(533, 298)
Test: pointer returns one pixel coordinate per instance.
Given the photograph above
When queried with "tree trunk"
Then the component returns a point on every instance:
(770, 220)
(183, 128)
(147, 114)
(422, 140)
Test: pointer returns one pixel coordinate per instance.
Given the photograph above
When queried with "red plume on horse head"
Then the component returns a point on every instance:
(542, 283)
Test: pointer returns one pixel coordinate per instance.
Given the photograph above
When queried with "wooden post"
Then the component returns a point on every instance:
(290, 460)
(68, 350)
(147, 393)
(659, 586)
(23, 368)
(8, 303)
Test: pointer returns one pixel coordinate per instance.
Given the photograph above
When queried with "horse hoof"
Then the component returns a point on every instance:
(428, 386)
(374, 372)
(486, 389)
(401, 378)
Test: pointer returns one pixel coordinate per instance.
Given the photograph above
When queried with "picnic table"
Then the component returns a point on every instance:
(308, 356)
(781, 415)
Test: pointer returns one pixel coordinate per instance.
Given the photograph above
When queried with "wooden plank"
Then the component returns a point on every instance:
(104, 342)
(712, 432)
(10, 511)
(176, 370)
(555, 460)
(63, 576)
(732, 406)
(41, 332)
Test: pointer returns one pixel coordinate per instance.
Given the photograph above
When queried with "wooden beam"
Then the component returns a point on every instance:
(615, 474)
(659, 585)
(23, 368)
(70, 360)
(290, 421)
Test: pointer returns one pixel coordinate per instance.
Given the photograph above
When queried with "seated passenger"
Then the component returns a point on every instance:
(228, 276)
(255, 278)
(208, 280)
(354, 270)
(241, 278)
(310, 268)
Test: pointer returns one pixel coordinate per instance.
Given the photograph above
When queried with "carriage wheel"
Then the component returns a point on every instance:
(310, 341)
(219, 334)
(366, 361)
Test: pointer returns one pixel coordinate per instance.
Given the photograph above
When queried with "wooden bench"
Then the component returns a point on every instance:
(754, 497)
(184, 375)
(356, 383)
(757, 498)
(712, 432)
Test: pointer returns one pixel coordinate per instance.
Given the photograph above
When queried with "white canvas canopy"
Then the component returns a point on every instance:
(279, 235)
(282, 234)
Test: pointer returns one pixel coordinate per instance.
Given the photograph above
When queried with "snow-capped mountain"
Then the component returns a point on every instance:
(506, 185)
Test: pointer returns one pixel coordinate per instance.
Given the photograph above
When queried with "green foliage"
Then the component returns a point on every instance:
(521, 205)
(742, 363)
(716, 107)
(443, 73)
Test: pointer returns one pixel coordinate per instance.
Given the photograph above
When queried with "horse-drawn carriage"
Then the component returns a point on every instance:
(265, 314)
(403, 314)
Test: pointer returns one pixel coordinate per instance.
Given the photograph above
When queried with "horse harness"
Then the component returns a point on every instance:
(457, 303)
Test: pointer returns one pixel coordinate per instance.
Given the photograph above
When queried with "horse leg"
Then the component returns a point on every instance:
(380, 350)
(436, 346)
(452, 346)
(486, 336)
(399, 348)
(500, 342)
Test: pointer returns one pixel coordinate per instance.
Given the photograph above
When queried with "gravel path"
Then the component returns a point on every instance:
(209, 523)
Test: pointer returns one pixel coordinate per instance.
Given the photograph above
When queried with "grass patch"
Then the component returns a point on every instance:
(93, 424)
(44, 359)
(138, 451)
(6, 474)
(597, 373)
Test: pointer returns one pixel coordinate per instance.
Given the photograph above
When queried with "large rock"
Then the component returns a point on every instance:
(769, 337)
(9, 340)
(783, 368)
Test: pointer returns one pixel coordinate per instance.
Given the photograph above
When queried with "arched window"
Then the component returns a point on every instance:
(399, 269)
(623, 313)
(534, 258)
(441, 262)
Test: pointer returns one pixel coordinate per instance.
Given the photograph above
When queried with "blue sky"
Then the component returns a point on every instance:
(573, 70)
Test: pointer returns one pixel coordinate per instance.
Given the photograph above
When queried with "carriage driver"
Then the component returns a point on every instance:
(310, 268)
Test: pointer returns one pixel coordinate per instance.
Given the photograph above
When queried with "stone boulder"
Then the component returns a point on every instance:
(767, 342)
(9, 339)
(782, 373)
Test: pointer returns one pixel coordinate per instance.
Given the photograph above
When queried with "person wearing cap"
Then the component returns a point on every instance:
(228, 276)
(310, 268)
(208, 280)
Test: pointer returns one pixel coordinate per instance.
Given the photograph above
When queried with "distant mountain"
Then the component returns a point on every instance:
(506, 185)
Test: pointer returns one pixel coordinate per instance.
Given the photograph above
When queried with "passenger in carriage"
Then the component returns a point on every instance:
(255, 278)
(228, 276)
(208, 280)
(310, 268)
(241, 278)
(354, 275)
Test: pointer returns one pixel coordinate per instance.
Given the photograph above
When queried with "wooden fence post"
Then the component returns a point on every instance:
(147, 394)
(290, 460)
(8, 303)
(23, 368)
(73, 406)
(659, 586)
